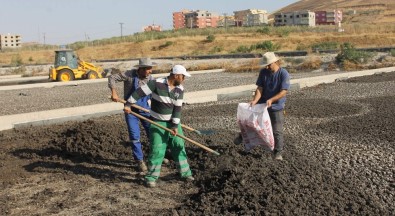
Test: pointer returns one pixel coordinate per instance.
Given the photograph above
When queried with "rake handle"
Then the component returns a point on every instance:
(145, 110)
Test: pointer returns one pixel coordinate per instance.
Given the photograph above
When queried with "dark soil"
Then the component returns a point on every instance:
(339, 160)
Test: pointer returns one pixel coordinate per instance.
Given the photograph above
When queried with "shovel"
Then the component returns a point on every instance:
(179, 135)
(200, 132)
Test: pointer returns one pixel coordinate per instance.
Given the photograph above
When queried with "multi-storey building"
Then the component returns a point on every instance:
(306, 18)
(179, 19)
(328, 17)
(226, 21)
(10, 41)
(152, 27)
(251, 17)
(201, 19)
(194, 19)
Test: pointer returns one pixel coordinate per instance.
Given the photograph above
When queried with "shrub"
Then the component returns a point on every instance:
(267, 46)
(264, 30)
(216, 49)
(331, 67)
(168, 43)
(284, 31)
(392, 52)
(349, 53)
(349, 66)
(313, 63)
(210, 38)
(328, 45)
(243, 49)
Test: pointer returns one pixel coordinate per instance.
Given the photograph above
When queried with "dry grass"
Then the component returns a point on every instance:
(311, 63)
(351, 66)
(357, 34)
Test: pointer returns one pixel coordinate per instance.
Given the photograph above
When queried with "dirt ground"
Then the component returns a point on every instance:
(339, 160)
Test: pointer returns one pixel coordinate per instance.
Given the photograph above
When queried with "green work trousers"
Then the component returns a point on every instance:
(160, 140)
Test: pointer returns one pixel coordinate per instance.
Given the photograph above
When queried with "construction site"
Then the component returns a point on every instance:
(66, 151)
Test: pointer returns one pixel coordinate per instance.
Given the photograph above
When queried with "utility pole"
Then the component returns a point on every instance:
(225, 19)
(39, 35)
(121, 29)
(44, 37)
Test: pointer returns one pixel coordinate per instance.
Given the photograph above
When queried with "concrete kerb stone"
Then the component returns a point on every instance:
(64, 119)
(85, 112)
(313, 81)
(58, 115)
(10, 77)
(75, 82)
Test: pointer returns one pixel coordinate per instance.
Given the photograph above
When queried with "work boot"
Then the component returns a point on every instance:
(166, 161)
(277, 156)
(189, 179)
(151, 184)
(238, 139)
(142, 166)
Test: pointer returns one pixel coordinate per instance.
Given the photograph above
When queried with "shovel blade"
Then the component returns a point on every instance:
(205, 132)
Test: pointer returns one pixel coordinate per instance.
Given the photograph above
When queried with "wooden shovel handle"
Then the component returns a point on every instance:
(145, 110)
(179, 135)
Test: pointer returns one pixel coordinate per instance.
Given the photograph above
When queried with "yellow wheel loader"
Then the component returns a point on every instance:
(68, 67)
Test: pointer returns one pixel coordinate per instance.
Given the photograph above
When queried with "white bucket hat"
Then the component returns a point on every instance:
(145, 62)
(267, 59)
(179, 69)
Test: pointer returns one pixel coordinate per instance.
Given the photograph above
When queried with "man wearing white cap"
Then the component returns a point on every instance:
(166, 102)
(272, 86)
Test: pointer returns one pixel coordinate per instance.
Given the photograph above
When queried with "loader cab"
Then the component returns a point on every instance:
(66, 58)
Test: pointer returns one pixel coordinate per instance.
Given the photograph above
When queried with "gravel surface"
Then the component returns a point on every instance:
(39, 99)
(338, 160)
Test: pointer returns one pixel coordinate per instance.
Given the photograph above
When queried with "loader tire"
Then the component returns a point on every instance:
(65, 75)
(92, 75)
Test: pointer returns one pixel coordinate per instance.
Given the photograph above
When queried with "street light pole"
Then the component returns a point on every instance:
(121, 29)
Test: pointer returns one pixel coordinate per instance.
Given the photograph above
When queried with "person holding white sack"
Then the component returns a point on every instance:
(272, 85)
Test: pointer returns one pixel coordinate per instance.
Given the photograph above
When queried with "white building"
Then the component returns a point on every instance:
(10, 41)
(306, 18)
(251, 17)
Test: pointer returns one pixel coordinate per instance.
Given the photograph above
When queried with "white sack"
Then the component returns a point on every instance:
(255, 126)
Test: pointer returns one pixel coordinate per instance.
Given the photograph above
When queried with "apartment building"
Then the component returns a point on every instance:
(152, 27)
(201, 19)
(195, 19)
(10, 41)
(304, 18)
(226, 21)
(179, 19)
(251, 17)
(333, 17)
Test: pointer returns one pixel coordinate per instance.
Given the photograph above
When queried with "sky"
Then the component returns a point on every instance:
(61, 22)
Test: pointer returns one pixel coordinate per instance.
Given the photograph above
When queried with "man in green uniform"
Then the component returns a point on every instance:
(166, 102)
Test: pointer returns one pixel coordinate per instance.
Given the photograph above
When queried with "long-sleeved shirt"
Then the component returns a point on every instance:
(130, 83)
(128, 79)
(165, 103)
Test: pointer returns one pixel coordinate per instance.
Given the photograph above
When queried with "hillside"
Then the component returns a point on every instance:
(372, 25)
(354, 11)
